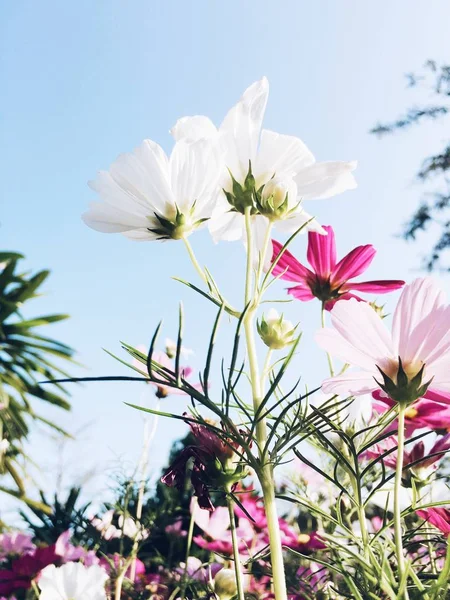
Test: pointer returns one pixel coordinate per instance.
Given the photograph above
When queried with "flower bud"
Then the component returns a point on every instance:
(275, 331)
(278, 197)
(225, 584)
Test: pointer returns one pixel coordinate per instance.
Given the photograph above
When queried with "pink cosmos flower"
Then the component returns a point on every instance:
(439, 517)
(420, 338)
(176, 529)
(329, 280)
(423, 463)
(117, 563)
(217, 535)
(15, 543)
(162, 359)
(423, 414)
(198, 570)
(301, 542)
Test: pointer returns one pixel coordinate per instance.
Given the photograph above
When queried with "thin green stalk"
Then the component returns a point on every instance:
(149, 434)
(236, 556)
(119, 582)
(188, 548)
(194, 260)
(329, 359)
(265, 473)
(265, 247)
(398, 534)
(266, 367)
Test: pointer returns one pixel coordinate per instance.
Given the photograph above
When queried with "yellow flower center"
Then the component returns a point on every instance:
(303, 538)
(411, 412)
(411, 369)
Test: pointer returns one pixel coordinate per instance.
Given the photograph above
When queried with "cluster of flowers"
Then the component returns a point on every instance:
(63, 571)
(244, 182)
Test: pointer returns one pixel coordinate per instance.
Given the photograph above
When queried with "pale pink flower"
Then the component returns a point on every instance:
(217, 535)
(328, 279)
(163, 360)
(420, 337)
(15, 543)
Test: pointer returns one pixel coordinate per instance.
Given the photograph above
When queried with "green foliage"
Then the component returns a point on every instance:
(65, 514)
(435, 205)
(27, 358)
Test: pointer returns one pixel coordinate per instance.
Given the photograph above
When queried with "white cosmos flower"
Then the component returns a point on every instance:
(281, 161)
(72, 581)
(149, 196)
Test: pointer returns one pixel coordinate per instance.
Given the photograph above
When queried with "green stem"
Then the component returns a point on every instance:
(236, 556)
(119, 583)
(330, 361)
(190, 535)
(149, 434)
(263, 254)
(194, 260)
(398, 534)
(265, 473)
(266, 367)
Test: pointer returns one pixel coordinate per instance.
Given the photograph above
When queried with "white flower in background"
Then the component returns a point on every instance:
(72, 581)
(105, 526)
(149, 196)
(131, 529)
(255, 159)
(171, 349)
(126, 526)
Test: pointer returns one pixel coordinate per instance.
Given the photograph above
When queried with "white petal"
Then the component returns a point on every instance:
(111, 193)
(137, 182)
(325, 179)
(225, 224)
(350, 384)
(362, 330)
(242, 126)
(333, 343)
(195, 168)
(149, 174)
(280, 154)
(194, 128)
(109, 219)
(300, 219)
(418, 300)
(142, 235)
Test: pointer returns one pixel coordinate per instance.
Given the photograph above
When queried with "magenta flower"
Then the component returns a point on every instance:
(301, 542)
(423, 414)
(420, 461)
(116, 562)
(439, 517)
(254, 507)
(329, 280)
(25, 569)
(211, 457)
(420, 339)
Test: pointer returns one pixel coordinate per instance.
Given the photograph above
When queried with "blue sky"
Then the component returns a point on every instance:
(84, 81)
